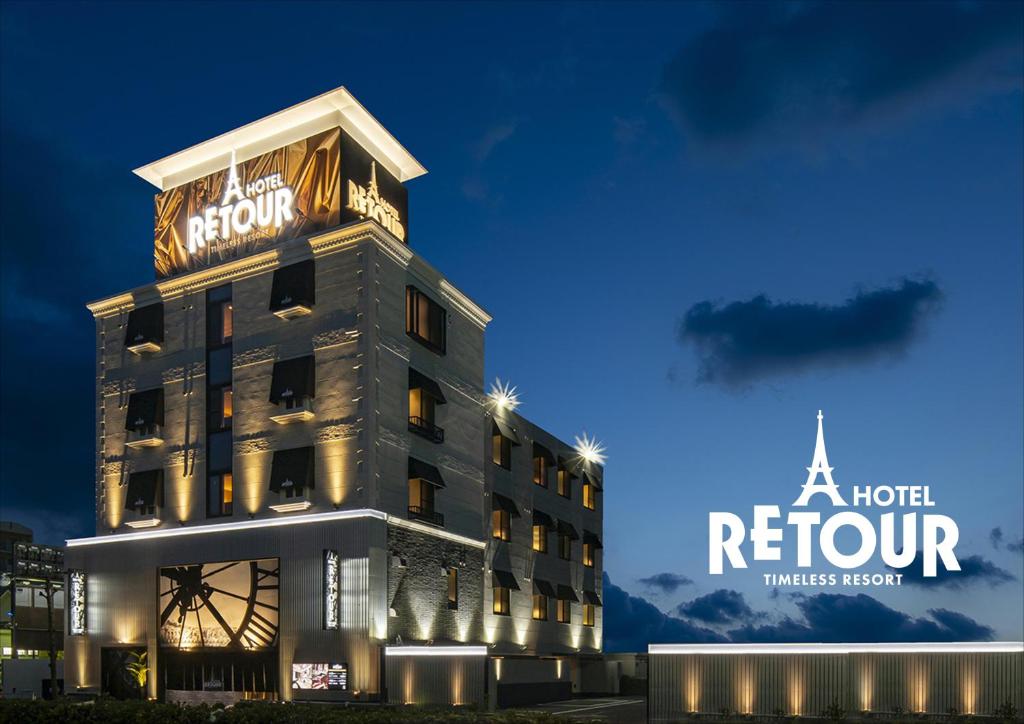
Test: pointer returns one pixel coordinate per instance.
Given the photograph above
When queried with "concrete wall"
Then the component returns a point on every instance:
(442, 680)
(527, 680)
(806, 684)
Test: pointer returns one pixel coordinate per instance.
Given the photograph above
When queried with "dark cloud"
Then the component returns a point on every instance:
(630, 623)
(973, 569)
(720, 607)
(789, 70)
(1016, 547)
(997, 538)
(666, 582)
(745, 341)
(838, 618)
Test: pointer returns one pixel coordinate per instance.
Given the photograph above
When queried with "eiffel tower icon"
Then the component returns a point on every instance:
(820, 466)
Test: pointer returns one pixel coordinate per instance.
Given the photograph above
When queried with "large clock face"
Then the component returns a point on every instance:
(233, 604)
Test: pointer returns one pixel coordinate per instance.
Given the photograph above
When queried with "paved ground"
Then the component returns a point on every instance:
(619, 709)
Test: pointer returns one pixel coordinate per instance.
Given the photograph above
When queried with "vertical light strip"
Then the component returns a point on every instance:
(76, 611)
(332, 589)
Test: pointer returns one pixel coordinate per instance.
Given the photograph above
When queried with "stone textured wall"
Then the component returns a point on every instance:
(418, 589)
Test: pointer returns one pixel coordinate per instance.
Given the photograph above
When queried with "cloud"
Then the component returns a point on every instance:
(474, 185)
(973, 569)
(839, 618)
(720, 607)
(666, 582)
(789, 70)
(631, 622)
(997, 538)
(744, 341)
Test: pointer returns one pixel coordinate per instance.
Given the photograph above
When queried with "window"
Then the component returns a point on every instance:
(540, 471)
(145, 329)
(219, 322)
(564, 610)
(424, 480)
(501, 450)
(221, 408)
(564, 483)
(293, 291)
(588, 554)
(565, 547)
(219, 495)
(424, 320)
(502, 596)
(540, 538)
(218, 453)
(501, 525)
(421, 495)
(424, 397)
(589, 496)
(588, 614)
(453, 588)
(540, 607)
(421, 405)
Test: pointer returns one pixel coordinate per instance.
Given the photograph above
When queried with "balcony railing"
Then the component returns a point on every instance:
(294, 410)
(417, 512)
(425, 428)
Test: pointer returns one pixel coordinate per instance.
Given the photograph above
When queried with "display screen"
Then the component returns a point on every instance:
(324, 677)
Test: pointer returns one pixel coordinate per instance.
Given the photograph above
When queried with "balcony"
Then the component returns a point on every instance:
(143, 347)
(294, 410)
(425, 428)
(145, 436)
(292, 310)
(417, 512)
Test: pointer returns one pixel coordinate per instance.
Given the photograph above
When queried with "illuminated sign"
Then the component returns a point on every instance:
(76, 600)
(897, 548)
(320, 677)
(371, 192)
(264, 205)
(332, 589)
(369, 204)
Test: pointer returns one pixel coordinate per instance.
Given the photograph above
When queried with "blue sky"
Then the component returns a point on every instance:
(595, 172)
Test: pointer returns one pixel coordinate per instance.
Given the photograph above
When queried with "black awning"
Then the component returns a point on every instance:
(426, 472)
(500, 502)
(539, 451)
(592, 598)
(418, 380)
(592, 479)
(294, 379)
(292, 469)
(592, 539)
(145, 324)
(565, 528)
(145, 409)
(544, 588)
(144, 489)
(506, 431)
(568, 464)
(566, 593)
(504, 579)
(294, 285)
(542, 518)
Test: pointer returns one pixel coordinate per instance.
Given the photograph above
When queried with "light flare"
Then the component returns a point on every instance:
(503, 395)
(590, 449)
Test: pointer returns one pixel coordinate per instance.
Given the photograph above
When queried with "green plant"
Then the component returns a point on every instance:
(834, 711)
(139, 668)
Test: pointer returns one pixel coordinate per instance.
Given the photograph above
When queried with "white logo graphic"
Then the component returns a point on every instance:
(939, 533)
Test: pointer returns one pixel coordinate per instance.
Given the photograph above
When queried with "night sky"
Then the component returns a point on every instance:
(694, 225)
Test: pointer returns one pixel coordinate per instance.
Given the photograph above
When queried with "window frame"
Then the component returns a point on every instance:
(540, 472)
(589, 614)
(501, 604)
(435, 315)
(453, 588)
(589, 554)
(539, 607)
(564, 604)
(543, 537)
(589, 496)
(565, 547)
(501, 525)
(501, 451)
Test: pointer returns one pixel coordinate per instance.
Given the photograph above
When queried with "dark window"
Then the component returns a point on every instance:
(293, 381)
(145, 326)
(453, 588)
(145, 414)
(565, 547)
(218, 366)
(502, 597)
(219, 316)
(145, 492)
(424, 320)
(218, 456)
(292, 471)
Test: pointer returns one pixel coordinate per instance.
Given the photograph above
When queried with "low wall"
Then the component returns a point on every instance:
(807, 679)
(28, 678)
(525, 681)
(428, 678)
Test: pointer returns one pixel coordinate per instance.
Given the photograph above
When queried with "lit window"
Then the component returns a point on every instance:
(589, 496)
(453, 588)
(501, 600)
(501, 450)
(501, 525)
(226, 405)
(540, 538)
(588, 555)
(220, 495)
(540, 607)
(425, 320)
(227, 324)
(564, 610)
(565, 483)
(540, 471)
(588, 614)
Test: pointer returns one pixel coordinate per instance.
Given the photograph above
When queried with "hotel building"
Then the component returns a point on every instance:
(303, 490)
